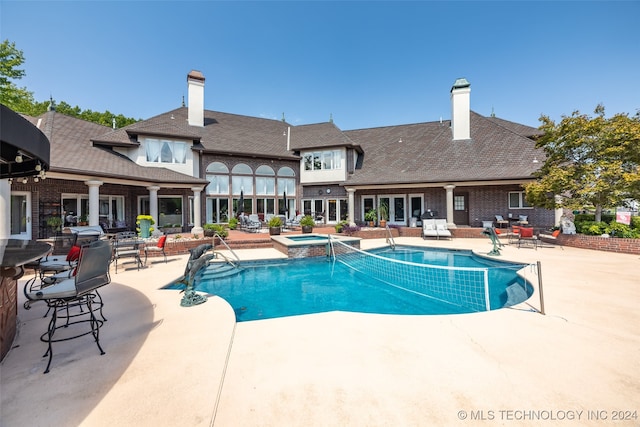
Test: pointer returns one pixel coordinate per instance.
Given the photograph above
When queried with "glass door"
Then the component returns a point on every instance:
(20, 215)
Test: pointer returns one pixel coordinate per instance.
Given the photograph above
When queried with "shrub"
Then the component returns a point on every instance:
(307, 221)
(340, 226)
(350, 229)
(616, 229)
(220, 229)
(275, 222)
(233, 223)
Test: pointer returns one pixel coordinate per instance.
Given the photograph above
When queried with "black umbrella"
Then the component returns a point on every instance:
(241, 203)
(284, 204)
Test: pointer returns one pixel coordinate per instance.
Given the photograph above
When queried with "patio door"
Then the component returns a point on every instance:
(20, 206)
(461, 208)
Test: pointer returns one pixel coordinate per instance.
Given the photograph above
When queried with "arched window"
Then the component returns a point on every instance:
(265, 181)
(286, 181)
(218, 177)
(242, 179)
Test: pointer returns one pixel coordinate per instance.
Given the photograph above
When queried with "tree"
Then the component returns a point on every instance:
(590, 162)
(12, 96)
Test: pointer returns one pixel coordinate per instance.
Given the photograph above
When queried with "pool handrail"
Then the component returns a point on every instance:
(226, 246)
(390, 238)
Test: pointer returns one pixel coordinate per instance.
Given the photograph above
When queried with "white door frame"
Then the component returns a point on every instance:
(29, 223)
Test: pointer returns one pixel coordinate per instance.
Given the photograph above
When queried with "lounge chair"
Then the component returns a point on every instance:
(441, 228)
(551, 238)
(523, 219)
(248, 225)
(295, 222)
(429, 228)
(501, 222)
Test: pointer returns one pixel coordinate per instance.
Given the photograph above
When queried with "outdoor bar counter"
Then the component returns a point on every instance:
(14, 254)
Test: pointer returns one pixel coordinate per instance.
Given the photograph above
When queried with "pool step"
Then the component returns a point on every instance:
(218, 270)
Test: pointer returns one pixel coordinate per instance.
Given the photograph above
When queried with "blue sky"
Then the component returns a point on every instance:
(366, 64)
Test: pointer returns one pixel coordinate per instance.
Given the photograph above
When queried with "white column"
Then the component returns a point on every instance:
(352, 206)
(94, 201)
(558, 211)
(153, 203)
(197, 218)
(5, 209)
(449, 188)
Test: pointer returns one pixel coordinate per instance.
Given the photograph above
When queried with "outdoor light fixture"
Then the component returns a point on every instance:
(19, 158)
(38, 167)
(535, 160)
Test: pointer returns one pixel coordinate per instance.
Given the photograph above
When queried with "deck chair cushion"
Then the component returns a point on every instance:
(63, 289)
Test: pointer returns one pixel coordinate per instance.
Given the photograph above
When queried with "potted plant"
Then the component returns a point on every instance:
(144, 225)
(371, 217)
(307, 223)
(275, 225)
(54, 222)
(82, 220)
(384, 213)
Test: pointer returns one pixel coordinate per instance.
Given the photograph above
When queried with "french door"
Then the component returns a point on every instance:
(21, 215)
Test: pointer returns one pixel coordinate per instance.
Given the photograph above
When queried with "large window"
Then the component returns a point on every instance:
(169, 211)
(218, 177)
(322, 160)
(164, 151)
(517, 200)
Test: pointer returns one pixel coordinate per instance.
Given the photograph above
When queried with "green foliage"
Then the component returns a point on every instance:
(340, 226)
(590, 161)
(384, 210)
(370, 215)
(220, 229)
(275, 222)
(614, 229)
(233, 223)
(10, 94)
(307, 221)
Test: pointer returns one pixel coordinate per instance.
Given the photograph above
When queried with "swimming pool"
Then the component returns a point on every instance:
(269, 289)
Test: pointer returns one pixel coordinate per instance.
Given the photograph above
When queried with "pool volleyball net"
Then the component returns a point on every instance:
(461, 286)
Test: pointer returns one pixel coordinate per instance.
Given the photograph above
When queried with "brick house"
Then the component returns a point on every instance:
(190, 166)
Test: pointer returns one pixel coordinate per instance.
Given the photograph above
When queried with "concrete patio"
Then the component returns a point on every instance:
(166, 365)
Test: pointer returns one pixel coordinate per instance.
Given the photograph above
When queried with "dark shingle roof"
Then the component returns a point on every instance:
(222, 133)
(320, 135)
(426, 152)
(72, 152)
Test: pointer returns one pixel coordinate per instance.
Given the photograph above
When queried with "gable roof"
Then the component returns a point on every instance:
(319, 135)
(427, 153)
(222, 133)
(73, 153)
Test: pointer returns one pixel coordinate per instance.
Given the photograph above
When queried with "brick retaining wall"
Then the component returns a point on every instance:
(607, 244)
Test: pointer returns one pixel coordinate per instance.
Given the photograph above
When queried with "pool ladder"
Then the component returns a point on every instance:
(390, 237)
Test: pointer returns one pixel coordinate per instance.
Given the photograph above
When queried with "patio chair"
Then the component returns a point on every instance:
(126, 245)
(514, 234)
(552, 238)
(156, 248)
(429, 228)
(523, 219)
(527, 237)
(441, 229)
(79, 292)
(248, 225)
(501, 222)
(295, 222)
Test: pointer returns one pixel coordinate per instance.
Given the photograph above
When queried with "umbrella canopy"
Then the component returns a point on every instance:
(283, 210)
(241, 203)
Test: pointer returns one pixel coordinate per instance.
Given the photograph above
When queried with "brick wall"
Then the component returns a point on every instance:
(607, 244)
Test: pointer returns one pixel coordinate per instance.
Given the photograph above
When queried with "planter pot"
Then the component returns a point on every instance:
(383, 223)
(274, 231)
(209, 233)
(307, 229)
(145, 225)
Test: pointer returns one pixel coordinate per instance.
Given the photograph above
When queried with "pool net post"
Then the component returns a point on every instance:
(539, 266)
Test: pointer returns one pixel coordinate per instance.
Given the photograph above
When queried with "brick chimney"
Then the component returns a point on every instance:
(460, 109)
(195, 81)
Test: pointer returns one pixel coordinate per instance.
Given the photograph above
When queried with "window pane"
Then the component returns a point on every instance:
(217, 167)
(166, 155)
(308, 162)
(242, 168)
(337, 159)
(286, 171)
(328, 160)
(317, 165)
(514, 200)
(265, 170)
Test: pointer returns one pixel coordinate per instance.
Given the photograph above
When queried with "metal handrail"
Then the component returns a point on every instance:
(227, 246)
(390, 238)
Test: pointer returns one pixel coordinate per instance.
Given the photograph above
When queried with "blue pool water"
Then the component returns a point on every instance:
(269, 289)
